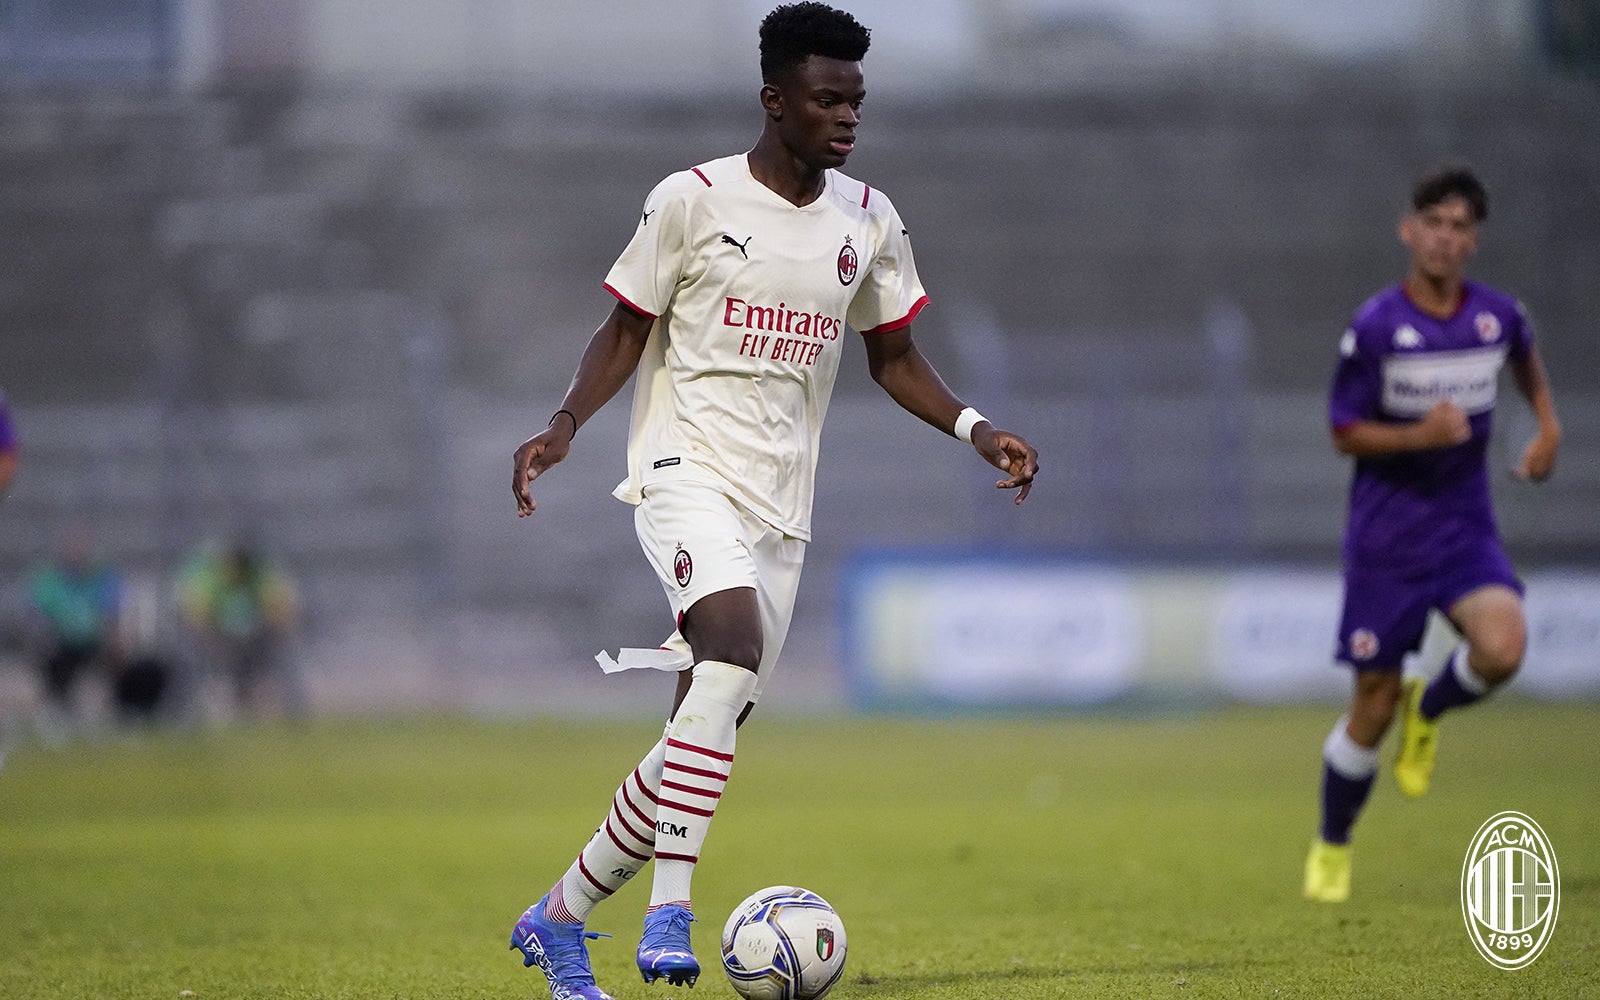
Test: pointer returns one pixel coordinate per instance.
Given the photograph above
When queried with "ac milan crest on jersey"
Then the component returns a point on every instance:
(683, 567)
(847, 263)
(1488, 325)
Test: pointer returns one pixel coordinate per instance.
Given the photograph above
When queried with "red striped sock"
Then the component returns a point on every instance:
(695, 769)
(618, 849)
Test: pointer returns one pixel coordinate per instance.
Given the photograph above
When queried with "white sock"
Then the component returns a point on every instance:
(1346, 756)
(616, 852)
(698, 761)
(1465, 675)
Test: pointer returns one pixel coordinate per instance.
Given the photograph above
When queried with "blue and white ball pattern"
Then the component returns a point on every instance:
(783, 943)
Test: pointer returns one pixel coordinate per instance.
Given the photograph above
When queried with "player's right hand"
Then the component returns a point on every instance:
(532, 458)
(1444, 425)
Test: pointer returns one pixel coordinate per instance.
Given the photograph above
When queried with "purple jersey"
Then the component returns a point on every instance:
(1414, 510)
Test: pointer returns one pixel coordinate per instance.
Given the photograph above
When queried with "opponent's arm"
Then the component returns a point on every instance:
(911, 381)
(1444, 425)
(1539, 459)
(608, 362)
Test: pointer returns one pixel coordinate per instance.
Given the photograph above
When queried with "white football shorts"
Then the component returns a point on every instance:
(701, 541)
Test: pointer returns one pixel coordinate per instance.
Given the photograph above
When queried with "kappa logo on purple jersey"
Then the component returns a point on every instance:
(682, 567)
(1488, 325)
(847, 263)
(1363, 644)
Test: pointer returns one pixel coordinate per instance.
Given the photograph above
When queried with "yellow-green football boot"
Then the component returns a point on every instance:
(1419, 743)
(1328, 872)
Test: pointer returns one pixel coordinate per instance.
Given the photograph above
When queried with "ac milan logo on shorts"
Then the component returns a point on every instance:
(1363, 644)
(847, 263)
(824, 943)
(1488, 325)
(683, 568)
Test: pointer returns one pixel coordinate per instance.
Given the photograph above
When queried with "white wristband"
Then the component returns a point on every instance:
(968, 419)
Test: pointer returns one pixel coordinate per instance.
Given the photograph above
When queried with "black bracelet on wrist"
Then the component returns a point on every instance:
(569, 417)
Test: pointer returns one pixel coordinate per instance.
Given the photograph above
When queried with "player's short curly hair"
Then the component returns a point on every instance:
(1451, 181)
(795, 31)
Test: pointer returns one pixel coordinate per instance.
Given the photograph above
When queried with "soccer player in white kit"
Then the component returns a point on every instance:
(734, 298)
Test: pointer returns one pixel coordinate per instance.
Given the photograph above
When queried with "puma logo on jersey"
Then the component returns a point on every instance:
(735, 243)
(646, 220)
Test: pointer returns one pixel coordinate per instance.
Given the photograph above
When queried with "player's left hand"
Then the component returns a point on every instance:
(1009, 453)
(1539, 459)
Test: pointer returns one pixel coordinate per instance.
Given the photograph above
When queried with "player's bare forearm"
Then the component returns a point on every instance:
(609, 360)
(1366, 438)
(607, 363)
(1539, 458)
(1534, 385)
(1443, 425)
(911, 381)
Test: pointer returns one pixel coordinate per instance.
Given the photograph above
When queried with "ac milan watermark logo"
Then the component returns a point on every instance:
(682, 567)
(1510, 890)
(847, 263)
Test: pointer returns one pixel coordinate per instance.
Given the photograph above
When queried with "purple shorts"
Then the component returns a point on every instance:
(1386, 610)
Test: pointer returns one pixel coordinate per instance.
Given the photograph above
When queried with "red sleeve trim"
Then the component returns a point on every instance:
(698, 174)
(631, 305)
(865, 194)
(901, 323)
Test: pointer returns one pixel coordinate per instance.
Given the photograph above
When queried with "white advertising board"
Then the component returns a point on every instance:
(974, 629)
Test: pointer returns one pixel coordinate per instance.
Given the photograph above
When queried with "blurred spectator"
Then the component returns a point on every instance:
(242, 610)
(8, 445)
(74, 605)
(145, 687)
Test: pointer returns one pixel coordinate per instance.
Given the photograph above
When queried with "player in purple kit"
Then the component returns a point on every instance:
(8, 446)
(1412, 401)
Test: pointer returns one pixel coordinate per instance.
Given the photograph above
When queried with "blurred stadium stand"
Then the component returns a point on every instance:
(327, 315)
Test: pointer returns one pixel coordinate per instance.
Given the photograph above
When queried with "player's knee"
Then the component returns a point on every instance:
(1497, 659)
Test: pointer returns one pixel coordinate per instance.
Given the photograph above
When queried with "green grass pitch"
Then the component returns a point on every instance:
(1082, 855)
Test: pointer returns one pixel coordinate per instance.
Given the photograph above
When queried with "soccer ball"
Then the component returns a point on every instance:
(783, 943)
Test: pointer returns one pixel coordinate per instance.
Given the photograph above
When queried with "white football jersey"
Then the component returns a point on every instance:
(752, 296)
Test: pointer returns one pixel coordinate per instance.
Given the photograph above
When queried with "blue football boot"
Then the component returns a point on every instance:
(664, 951)
(560, 953)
